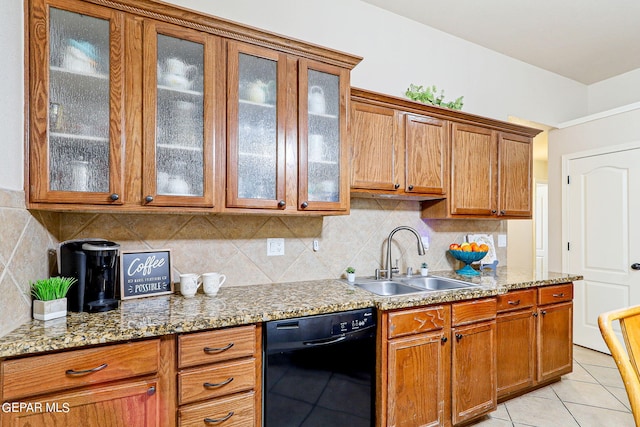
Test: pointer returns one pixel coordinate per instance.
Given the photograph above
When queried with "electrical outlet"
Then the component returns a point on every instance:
(425, 242)
(316, 246)
(275, 247)
(502, 240)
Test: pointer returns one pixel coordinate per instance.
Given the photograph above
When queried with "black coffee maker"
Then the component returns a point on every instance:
(94, 263)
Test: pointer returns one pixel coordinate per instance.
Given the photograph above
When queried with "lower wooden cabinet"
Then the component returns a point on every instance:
(112, 385)
(534, 339)
(132, 404)
(219, 377)
(473, 359)
(516, 341)
(417, 367)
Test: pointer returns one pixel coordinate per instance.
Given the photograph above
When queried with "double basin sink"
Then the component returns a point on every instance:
(411, 285)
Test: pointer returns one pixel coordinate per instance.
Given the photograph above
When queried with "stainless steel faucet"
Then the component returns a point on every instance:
(389, 270)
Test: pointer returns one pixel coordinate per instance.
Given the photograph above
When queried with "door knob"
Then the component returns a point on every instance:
(635, 266)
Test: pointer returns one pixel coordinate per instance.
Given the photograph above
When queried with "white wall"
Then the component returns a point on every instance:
(613, 130)
(11, 95)
(399, 51)
(614, 92)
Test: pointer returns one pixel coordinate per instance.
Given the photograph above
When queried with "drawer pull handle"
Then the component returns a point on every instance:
(458, 337)
(218, 420)
(516, 302)
(211, 350)
(216, 385)
(560, 295)
(86, 371)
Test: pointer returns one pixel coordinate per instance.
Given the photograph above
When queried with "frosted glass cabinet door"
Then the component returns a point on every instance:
(78, 135)
(256, 155)
(180, 71)
(322, 104)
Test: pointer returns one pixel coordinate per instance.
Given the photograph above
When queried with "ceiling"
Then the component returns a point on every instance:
(584, 40)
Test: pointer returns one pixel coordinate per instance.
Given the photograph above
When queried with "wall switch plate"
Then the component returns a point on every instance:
(275, 247)
(502, 240)
(316, 246)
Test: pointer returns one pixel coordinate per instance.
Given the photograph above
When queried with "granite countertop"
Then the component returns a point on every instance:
(239, 305)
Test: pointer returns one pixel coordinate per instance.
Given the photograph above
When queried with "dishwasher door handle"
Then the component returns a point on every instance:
(325, 341)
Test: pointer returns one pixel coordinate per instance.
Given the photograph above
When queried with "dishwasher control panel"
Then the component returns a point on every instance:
(355, 321)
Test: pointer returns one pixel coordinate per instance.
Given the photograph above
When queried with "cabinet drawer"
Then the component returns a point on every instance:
(238, 410)
(216, 346)
(216, 380)
(473, 311)
(407, 322)
(516, 300)
(63, 371)
(553, 294)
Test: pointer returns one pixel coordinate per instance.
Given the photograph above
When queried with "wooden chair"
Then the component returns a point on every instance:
(627, 361)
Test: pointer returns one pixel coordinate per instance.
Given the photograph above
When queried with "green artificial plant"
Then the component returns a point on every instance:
(429, 95)
(51, 288)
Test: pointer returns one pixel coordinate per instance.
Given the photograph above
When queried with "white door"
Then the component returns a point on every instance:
(542, 226)
(603, 222)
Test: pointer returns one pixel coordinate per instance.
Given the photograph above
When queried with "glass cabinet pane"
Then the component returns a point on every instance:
(180, 117)
(323, 138)
(257, 128)
(78, 134)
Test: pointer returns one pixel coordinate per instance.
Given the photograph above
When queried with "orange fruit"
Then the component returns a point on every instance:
(466, 248)
(474, 247)
(484, 248)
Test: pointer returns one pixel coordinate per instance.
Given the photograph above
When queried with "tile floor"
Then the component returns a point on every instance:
(593, 395)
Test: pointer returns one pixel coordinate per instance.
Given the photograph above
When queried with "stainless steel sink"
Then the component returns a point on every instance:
(387, 287)
(434, 283)
(411, 285)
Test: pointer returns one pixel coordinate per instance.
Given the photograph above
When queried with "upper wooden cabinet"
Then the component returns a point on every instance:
(140, 105)
(396, 152)
(286, 132)
(460, 165)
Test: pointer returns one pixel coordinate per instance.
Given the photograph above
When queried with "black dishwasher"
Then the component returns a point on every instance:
(319, 371)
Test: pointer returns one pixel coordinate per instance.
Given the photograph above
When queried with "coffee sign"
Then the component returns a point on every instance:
(145, 273)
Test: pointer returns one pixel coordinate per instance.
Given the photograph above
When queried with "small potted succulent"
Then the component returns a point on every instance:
(49, 295)
(351, 274)
(424, 269)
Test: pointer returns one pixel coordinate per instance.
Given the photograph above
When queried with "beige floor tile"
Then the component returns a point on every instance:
(544, 393)
(590, 416)
(586, 394)
(607, 376)
(580, 374)
(492, 422)
(621, 395)
(501, 413)
(585, 356)
(535, 411)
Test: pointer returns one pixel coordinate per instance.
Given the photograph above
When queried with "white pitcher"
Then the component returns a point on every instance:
(317, 103)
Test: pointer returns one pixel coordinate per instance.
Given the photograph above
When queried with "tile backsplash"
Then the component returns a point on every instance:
(235, 245)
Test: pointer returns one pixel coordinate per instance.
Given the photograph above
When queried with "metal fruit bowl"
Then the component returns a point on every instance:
(467, 258)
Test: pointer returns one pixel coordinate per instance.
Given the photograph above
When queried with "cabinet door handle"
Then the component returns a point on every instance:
(148, 199)
(503, 212)
(216, 385)
(443, 339)
(560, 295)
(282, 204)
(516, 302)
(211, 350)
(635, 266)
(304, 205)
(410, 187)
(493, 211)
(458, 337)
(151, 391)
(218, 420)
(396, 186)
(114, 196)
(544, 312)
(86, 371)
(535, 314)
